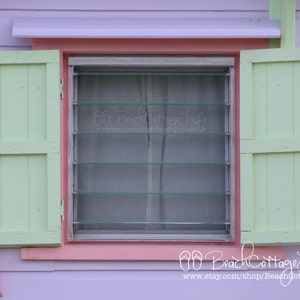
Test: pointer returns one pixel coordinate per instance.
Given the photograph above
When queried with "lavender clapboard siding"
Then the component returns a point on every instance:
(231, 9)
(7, 42)
(138, 285)
(140, 280)
(137, 5)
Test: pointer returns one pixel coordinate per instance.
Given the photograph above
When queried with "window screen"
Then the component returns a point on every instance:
(151, 149)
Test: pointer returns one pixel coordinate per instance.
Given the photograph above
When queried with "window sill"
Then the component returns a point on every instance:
(151, 252)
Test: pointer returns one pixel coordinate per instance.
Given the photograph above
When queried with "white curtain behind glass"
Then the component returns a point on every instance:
(142, 148)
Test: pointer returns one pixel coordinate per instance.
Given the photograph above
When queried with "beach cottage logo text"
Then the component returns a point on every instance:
(144, 120)
(250, 265)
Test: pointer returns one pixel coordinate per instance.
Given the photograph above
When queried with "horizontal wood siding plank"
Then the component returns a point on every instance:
(136, 5)
(15, 48)
(10, 260)
(7, 16)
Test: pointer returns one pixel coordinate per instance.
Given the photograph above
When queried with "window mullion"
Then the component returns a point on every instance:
(150, 168)
(227, 147)
(75, 151)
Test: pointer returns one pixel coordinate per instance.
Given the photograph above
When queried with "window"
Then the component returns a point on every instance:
(269, 141)
(151, 142)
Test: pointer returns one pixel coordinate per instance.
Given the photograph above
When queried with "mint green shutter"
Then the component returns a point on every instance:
(29, 148)
(270, 146)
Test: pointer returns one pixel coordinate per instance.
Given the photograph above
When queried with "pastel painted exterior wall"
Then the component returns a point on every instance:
(130, 279)
(147, 280)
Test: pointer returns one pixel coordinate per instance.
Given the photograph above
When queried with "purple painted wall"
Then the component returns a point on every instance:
(79, 280)
(140, 280)
(10, 9)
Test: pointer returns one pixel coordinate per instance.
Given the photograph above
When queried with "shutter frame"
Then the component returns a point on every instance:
(264, 146)
(34, 153)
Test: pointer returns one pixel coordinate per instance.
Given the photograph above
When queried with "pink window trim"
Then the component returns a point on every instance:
(150, 252)
(144, 250)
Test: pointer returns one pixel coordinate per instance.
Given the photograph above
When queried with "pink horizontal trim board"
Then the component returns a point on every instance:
(150, 46)
(149, 252)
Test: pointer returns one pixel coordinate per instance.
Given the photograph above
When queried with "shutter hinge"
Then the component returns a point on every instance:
(62, 209)
(61, 88)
